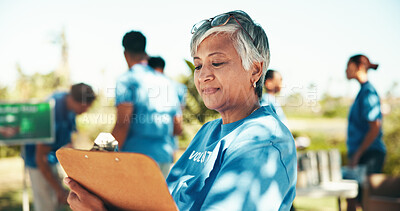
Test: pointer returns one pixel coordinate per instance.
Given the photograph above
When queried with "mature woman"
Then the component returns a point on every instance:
(364, 133)
(247, 159)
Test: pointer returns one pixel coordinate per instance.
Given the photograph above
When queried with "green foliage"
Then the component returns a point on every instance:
(333, 106)
(3, 93)
(297, 106)
(9, 151)
(391, 133)
(37, 86)
(322, 140)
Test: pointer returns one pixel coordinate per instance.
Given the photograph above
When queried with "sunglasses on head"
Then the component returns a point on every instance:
(219, 20)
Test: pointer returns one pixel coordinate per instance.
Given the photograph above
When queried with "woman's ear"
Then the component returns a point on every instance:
(257, 71)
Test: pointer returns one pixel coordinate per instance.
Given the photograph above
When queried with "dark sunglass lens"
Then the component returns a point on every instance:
(197, 26)
(220, 20)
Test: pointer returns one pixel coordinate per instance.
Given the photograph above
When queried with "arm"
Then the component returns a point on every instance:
(121, 128)
(373, 132)
(41, 160)
(178, 125)
(79, 199)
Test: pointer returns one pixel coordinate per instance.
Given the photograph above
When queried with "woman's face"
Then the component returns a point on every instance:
(219, 76)
(351, 70)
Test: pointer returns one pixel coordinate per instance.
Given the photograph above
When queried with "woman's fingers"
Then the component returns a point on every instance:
(75, 188)
(72, 198)
(81, 199)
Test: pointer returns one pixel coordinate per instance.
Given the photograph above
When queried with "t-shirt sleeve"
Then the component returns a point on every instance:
(124, 92)
(253, 179)
(183, 94)
(178, 109)
(371, 109)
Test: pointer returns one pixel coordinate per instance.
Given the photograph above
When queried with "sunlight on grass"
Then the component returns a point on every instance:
(317, 204)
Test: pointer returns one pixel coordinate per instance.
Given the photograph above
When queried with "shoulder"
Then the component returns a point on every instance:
(133, 73)
(369, 95)
(264, 124)
(125, 77)
(262, 133)
(58, 95)
(129, 78)
(368, 89)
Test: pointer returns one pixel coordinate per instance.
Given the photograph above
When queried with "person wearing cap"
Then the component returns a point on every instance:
(245, 160)
(40, 159)
(364, 132)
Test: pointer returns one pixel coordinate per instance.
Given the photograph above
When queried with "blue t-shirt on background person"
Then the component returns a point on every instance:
(65, 125)
(268, 99)
(181, 91)
(155, 103)
(249, 164)
(366, 108)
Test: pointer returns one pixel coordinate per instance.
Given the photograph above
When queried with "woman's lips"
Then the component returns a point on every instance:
(209, 91)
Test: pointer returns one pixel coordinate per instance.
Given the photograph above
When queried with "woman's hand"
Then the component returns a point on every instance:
(81, 199)
(355, 159)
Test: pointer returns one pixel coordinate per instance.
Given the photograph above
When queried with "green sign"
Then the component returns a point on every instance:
(22, 123)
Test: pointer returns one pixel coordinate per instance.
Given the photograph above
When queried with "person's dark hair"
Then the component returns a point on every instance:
(360, 59)
(269, 74)
(156, 62)
(134, 42)
(82, 93)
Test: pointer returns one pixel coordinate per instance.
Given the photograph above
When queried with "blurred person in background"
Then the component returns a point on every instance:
(273, 85)
(146, 104)
(245, 160)
(40, 160)
(158, 64)
(364, 133)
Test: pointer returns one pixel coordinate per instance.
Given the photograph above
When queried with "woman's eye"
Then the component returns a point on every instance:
(197, 67)
(217, 64)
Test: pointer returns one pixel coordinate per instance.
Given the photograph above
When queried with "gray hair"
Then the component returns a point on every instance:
(250, 52)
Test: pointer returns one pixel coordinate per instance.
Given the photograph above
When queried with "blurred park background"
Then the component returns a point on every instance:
(48, 45)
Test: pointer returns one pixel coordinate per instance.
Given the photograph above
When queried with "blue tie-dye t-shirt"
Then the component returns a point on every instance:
(249, 164)
(366, 108)
(155, 103)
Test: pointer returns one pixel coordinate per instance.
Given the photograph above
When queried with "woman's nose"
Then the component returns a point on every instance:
(205, 74)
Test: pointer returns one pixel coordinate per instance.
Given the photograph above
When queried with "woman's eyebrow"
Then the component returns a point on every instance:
(215, 53)
(211, 54)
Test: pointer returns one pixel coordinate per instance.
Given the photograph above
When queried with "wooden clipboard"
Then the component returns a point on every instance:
(127, 181)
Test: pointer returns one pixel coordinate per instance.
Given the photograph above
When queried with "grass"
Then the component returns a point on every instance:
(12, 200)
(11, 184)
(317, 204)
